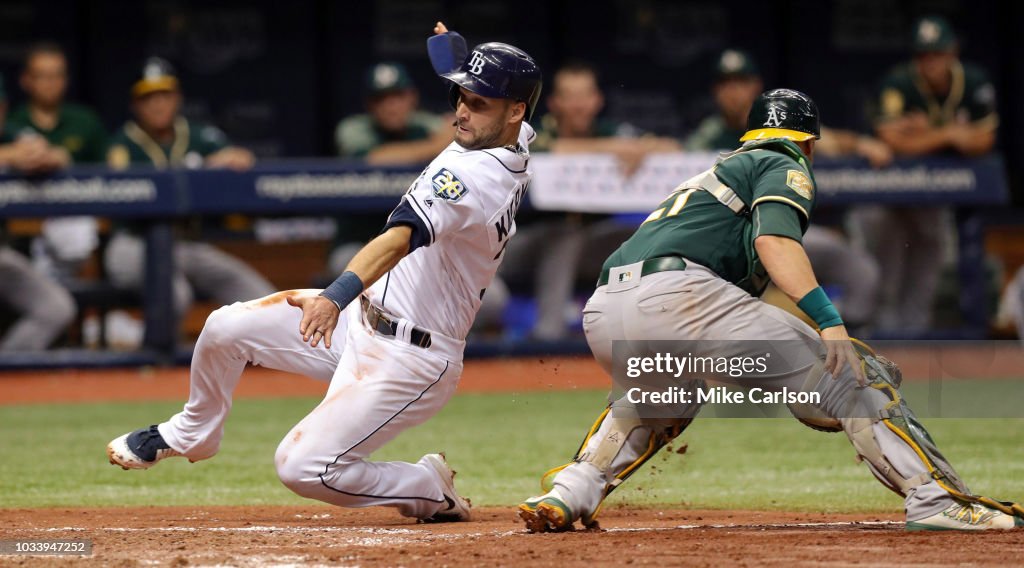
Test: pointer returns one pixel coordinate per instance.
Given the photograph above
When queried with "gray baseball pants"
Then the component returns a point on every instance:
(44, 307)
(695, 304)
(198, 267)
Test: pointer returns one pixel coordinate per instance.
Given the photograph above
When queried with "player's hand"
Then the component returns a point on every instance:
(319, 318)
(877, 153)
(440, 28)
(232, 158)
(840, 352)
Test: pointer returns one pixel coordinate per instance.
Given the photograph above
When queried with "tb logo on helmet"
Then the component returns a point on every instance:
(775, 116)
(476, 63)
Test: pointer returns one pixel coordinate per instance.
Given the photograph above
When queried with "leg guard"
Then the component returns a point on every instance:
(898, 418)
(603, 455)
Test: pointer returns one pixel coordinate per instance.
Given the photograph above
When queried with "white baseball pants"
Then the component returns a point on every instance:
(379, 386)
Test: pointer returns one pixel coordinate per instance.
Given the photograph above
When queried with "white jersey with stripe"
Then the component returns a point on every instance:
(462, 210)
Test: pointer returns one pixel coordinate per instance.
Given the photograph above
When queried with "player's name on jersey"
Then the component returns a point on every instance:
(719, 395)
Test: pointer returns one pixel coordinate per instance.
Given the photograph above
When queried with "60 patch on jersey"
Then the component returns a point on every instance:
(448, 186)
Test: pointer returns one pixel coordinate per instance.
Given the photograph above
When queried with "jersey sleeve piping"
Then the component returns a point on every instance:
(785, 200)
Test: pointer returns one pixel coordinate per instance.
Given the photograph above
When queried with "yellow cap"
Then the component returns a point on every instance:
(765, 133)
(154, 84)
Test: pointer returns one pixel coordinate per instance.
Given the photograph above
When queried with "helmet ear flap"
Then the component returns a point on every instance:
(453, 96)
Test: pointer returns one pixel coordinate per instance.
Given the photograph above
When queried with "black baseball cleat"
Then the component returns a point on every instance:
(140, 449)
(458, 508)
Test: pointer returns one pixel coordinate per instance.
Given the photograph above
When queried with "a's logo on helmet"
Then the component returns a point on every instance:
(775, 116)
(476, 63)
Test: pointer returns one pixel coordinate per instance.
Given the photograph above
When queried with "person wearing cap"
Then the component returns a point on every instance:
(158, 136)
(393, 130)
(737, 84)
(40, 320)
(837, 262)
(934, 104)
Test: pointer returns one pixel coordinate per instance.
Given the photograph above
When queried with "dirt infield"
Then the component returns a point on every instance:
(329, 536)
(269, 536)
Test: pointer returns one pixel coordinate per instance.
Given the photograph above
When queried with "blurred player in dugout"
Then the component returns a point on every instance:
(37, 323)
(394, 131)
(836, 261)
(73, 134)
(932, 105)
(558, 249)
(159, 136)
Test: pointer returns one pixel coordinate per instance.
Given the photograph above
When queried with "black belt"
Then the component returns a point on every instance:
(386, 326)
(650, 266)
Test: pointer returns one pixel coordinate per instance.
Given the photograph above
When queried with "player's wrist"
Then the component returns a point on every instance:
(343, 290)
(819, 308)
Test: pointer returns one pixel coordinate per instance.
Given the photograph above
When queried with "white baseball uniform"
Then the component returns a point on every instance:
(462, 213)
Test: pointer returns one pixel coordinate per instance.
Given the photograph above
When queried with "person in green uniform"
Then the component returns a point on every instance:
(933, 105)
(566, 242)
(41, 307)
(73, 134)
(392, 130)
(160, 137)
(837, 261)
(74, 129)
(693, 272)
(737, 84)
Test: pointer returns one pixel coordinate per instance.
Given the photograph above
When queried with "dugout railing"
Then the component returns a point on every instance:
(585, 183)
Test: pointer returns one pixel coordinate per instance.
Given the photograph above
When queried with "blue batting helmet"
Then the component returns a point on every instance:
(499, 71)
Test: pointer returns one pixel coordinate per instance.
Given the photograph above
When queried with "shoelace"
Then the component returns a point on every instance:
(149, 435)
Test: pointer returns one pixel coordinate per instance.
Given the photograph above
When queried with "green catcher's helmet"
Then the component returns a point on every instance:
(783, 113)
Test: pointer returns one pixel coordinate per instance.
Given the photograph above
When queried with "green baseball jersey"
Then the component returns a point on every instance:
(191, 143)
(78, 130)
(971, 97)
(547, 132)
(713, 134)
(772, 178)
(358, 135)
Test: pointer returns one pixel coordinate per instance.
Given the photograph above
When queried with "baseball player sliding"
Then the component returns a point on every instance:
(693, 272)
(402, 309)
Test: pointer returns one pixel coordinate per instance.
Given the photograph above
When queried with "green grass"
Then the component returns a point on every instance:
(53, 455)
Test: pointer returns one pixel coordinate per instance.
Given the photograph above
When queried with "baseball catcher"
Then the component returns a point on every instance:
(693, 271)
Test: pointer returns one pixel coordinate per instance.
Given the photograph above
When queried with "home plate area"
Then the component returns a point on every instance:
(287, 536)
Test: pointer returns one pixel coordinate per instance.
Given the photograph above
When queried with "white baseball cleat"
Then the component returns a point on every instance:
(966, 517)
(140, 449)
(458, 508)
